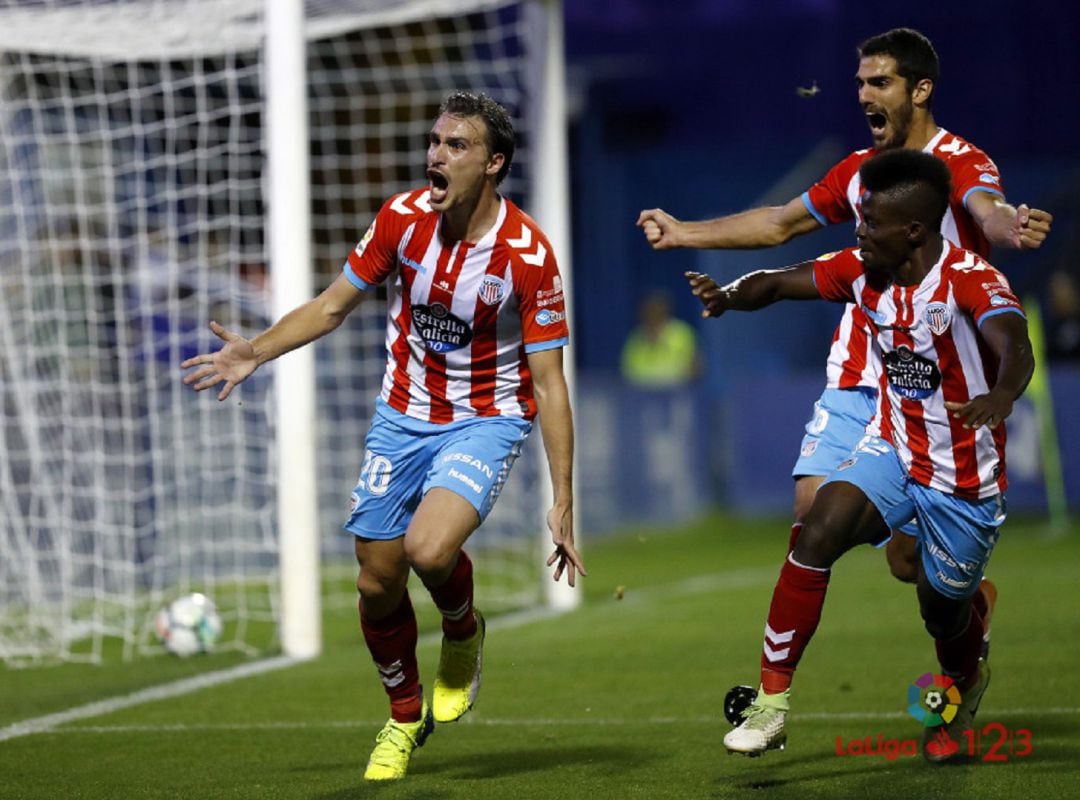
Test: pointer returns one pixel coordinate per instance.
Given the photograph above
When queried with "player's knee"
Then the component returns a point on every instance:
(817, 545)
(380, 592)
(941, 630)
(430, 559)
(902, 569)
(902, 558)
(944, 624)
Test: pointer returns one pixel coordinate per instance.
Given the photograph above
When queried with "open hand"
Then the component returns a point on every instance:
(231, 364)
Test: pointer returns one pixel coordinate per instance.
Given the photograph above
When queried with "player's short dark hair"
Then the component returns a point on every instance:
(919, 180)
(916, 58)
(500, 130)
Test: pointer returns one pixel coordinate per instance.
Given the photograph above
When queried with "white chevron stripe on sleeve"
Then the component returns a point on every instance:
(523, 241)
(537, 258)
(401, 204)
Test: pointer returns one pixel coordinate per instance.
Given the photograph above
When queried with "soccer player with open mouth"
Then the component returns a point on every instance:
(896, 77)
(951, 342)
(475, 328)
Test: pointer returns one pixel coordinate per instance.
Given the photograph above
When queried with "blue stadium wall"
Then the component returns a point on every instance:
(662, 457)
(696, 111)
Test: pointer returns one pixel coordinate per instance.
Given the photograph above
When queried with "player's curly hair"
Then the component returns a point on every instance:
(921, 179)
(500, 130)
(916, 58)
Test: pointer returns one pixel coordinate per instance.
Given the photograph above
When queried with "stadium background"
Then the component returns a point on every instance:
(696, 111)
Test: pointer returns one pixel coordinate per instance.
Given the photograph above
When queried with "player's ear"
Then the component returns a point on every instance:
(495, 163)
(920, 95)
(917, 233)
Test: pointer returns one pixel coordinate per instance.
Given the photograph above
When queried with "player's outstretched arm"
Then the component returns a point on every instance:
(1007, 336)
(557, 427)
(754, 290)
(234, 362)
(759, 227)
(1020, 228)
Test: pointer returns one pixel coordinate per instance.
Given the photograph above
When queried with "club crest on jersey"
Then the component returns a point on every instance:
(492, 289)
(938, 317)
(910, 375)
(440, 330)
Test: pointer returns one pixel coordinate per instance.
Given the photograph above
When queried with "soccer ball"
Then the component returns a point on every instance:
(188, 625)
(736, 701)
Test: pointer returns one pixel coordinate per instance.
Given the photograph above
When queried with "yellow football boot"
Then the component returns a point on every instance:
(458, 680)
(394, 746)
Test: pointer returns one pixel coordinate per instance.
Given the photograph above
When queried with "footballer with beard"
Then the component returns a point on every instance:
(897, 73)
(951, 338)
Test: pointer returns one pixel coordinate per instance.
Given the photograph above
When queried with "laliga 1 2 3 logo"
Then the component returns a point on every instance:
(933, 699)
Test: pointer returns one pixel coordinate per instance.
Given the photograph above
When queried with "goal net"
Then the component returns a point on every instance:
(132, 211)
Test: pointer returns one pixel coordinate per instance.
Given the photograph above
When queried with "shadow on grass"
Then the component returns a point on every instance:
(489, 765)
(504, 763)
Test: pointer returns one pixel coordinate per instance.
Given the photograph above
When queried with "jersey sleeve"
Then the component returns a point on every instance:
(835, 275)
(375, 256)
(983, 292)
(541, 301)
(827, 200)
(974, 171)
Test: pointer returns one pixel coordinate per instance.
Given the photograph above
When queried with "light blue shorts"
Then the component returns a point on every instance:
(405, 457)
(838, 424)
(954, 536)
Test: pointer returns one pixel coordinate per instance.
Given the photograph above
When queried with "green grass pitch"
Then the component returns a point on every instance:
(620, 699)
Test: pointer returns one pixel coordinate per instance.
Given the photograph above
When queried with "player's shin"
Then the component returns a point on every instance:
(392, 643)
(794, 614)
(454, 599)
(959, 655)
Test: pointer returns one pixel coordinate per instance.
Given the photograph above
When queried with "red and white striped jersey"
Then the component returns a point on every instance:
(461, 316)
(836, 198)
(928, 342)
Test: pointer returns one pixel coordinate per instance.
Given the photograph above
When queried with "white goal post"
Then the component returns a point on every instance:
(154, 174)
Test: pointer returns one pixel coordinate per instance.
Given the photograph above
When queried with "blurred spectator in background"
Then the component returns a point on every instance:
(1063, 319)
(661, 351)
